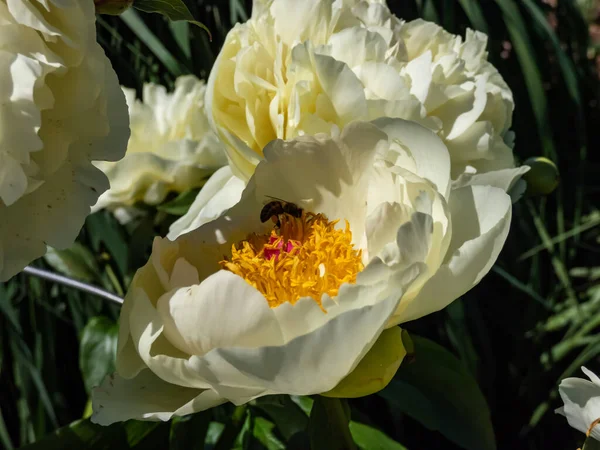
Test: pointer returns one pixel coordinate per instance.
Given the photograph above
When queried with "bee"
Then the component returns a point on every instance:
(276, 207)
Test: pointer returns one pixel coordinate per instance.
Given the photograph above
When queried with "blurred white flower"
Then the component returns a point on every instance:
(582, 403)
(299, 68)
(171, 148)
(236, 308)
(60, 109)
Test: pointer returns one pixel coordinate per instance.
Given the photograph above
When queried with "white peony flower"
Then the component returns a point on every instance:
(60, 108)
(300, 68)
(582, 403)
(171, 147)
(240, 308)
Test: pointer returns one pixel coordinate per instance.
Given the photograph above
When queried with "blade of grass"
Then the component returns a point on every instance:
(575, 231)
(475, 15)
(522, 287)
(181, 33)
(519, 36)
(137, 25)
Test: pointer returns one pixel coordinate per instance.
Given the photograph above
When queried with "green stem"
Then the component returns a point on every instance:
(328, 426)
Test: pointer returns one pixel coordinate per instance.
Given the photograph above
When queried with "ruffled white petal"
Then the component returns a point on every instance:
(61, 109)
(301, 69)
(221, 192)
(171, 148)
(146, 397)
(482, 222)
(197, 318)
(581, 402)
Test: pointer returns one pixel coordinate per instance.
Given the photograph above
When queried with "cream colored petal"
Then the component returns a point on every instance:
(420, 72)
(428, 151)
(323, 174)
(581, 403)
(503, 179)
(480, 223)
(355, 46)
(299, 21)
(198, 318)
(221, 192)
(469, 106)
(242, 159)
(329, 351)
(77, 114)
(146, 397)
(591, 375)
(70, 192)
(382, 225)
(343, 88)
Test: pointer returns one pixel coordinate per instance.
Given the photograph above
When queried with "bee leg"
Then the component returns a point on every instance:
(276, 221)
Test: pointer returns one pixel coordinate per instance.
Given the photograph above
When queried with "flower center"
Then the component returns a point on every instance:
(303, 257)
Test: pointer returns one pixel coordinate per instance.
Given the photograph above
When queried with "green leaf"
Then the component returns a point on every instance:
(97, 350)
(566, 65)
(172, 9)
(104, 229)
(328, 425)
(232, 429)
(76, 262)
(133, 20)
(519, 36)
(438, 391)
(82, 434)
(287, 415)
(180, 204)
(472, 9)
(263, 433)
(368, 438)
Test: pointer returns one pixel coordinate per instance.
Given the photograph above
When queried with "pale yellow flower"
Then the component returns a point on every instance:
(60, 109)
(300, 68)
(240, 308)
(171, 148)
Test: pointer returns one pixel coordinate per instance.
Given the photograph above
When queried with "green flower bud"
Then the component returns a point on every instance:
(543, 177)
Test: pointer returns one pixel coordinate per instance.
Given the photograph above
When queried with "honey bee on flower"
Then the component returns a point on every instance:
(274, 208)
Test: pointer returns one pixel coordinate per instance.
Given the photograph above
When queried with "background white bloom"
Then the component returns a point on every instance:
(193, 336)
(60, 108)
(582, 402)
(171, 147)
(300, 68)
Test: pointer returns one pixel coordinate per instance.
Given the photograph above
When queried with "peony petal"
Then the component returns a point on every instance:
(221, 192)
(299, 21)
(343, 88)
(420, 73)
(504, 179)
(146, 397)
(199, 318)
(291, 368)
(73, 113)
(582, 403)
(592, 376)
(470, 105)
(323, 174)
(428, 151)
(356, 46)
(480, 223)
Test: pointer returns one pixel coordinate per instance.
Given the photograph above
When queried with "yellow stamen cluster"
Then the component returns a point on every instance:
(303, 257)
